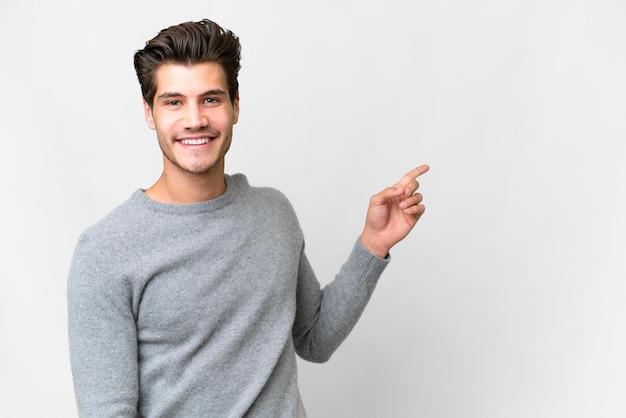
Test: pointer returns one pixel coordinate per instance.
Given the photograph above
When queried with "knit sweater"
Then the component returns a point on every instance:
(198, 310)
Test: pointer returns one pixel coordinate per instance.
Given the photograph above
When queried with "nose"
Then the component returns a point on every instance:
(195, 117)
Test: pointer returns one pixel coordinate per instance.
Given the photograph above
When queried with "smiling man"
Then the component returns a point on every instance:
(193, 297)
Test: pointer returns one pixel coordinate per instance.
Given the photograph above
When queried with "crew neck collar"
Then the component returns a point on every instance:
(233, 183)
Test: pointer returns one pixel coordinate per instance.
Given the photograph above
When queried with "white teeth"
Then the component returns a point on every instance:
(199, 141)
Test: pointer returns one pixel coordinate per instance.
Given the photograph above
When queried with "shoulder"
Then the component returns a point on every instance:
(261, 194)
(107, 250)
(265, 205)
(113, 227)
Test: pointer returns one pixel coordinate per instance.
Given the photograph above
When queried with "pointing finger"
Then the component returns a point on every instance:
(409, 178)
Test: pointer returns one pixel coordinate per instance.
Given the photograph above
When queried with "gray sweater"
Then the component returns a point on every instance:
(198, 310)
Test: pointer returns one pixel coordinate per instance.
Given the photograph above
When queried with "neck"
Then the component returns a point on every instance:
(183, 188)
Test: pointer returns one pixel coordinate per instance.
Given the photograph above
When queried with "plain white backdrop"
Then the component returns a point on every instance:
(508, 298)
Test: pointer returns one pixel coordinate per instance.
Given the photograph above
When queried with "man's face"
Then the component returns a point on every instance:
(193, 117)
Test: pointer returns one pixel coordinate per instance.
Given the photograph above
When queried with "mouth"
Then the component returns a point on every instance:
(196, 141)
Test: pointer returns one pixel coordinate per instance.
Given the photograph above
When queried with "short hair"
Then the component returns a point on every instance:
(187, 44)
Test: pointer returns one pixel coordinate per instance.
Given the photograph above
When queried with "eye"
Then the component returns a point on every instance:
(211, 100)
(173, 103)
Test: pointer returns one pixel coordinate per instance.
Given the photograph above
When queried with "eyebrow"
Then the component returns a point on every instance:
(173, 94)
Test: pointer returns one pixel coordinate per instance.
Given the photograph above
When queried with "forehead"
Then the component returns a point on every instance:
(190, 80)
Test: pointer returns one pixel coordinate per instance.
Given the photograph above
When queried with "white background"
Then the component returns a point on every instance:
(508, 299)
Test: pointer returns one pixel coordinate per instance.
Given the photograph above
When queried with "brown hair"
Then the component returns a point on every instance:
(189, 43)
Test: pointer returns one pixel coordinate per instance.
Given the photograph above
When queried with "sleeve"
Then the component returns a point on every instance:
(325, 317)
(102, 333)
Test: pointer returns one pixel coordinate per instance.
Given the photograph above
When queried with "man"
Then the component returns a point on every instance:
(192, 298)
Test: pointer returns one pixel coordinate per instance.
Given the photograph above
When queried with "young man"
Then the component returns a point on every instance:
(192, 298)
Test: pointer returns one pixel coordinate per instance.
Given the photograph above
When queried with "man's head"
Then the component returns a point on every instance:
(188, 44)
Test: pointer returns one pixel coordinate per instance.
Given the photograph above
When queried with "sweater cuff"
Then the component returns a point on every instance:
(366, 265)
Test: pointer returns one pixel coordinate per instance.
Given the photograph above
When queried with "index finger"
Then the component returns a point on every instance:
(413, 174)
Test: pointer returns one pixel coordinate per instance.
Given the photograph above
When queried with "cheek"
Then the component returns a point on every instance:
(230, 118)
(221, 121)
(162, 124)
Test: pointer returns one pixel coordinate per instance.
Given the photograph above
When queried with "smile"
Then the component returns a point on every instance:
(195, 141)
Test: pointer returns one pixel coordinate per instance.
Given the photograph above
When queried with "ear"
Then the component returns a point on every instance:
(148, 113)
(236, 108)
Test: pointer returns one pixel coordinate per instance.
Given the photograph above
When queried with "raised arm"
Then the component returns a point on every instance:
(393, 213)
(325, 317)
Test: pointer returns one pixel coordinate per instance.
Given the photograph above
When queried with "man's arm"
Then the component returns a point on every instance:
(324, 318)
(393, 213)
(102, 333)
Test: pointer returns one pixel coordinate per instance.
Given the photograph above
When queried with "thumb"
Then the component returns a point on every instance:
(386, 195)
